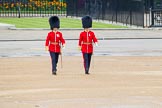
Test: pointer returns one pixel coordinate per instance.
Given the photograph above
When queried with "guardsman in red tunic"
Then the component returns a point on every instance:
(86, 40)
(54, 41)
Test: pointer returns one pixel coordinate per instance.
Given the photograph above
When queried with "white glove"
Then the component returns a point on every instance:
(63, 46)
(46, 48)
(96, 44)
(79, 48)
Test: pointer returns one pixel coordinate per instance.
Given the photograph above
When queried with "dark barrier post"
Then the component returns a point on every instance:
(152, 14)
(19, 10)
(130, 17)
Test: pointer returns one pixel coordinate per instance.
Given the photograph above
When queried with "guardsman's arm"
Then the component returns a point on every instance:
(80, 42)
(62, 40)
(95, 40)
(47, 43)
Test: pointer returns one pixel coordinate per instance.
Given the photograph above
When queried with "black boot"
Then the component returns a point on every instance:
(87, 71)
(53, 72)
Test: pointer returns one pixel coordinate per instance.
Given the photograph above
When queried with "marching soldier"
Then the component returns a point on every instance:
(86, 40)
(54, 41)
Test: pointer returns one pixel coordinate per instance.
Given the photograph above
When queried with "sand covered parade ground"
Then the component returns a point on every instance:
(114, 82)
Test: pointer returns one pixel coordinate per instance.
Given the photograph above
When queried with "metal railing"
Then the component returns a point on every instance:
(156, 15)
(124, 11)
(32, 8)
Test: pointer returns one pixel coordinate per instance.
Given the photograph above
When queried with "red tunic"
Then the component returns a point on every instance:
(86, 41)
(53, 41)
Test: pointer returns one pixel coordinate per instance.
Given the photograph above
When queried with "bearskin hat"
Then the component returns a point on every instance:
(86, 22)
(54, 22)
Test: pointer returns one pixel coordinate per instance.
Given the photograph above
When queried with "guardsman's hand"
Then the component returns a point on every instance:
(46, 48)
(63, 46)
(79, 48)
(96, 44)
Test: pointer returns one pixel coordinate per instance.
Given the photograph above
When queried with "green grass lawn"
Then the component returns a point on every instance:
(43, 23)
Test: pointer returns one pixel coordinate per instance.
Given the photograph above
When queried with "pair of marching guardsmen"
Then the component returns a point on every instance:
(55, 39)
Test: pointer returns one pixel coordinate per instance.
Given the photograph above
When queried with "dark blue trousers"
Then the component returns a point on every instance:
(87, 61)
(54, 59)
